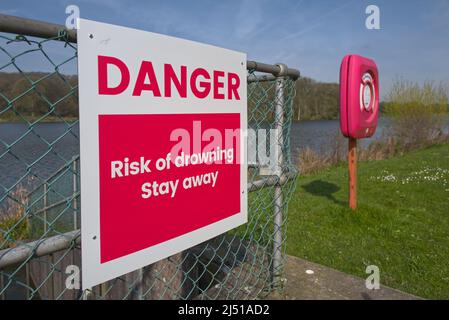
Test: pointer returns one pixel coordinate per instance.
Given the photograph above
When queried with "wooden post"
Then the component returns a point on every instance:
(352, 161)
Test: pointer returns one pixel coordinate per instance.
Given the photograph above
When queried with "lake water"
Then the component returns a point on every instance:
(48, 146)
(319, 134)
(42, 150)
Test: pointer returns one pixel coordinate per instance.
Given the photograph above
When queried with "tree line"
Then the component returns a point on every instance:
(35, 94)
(316, 100)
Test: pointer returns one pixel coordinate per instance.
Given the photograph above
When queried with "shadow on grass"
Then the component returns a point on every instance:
(323, 189)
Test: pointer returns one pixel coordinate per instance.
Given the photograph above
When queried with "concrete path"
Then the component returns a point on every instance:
(329, 284)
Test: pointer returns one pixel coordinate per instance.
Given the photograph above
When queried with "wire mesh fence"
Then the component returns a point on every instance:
(40, 194)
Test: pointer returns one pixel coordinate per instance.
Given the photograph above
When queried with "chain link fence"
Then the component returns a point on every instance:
(40, 195)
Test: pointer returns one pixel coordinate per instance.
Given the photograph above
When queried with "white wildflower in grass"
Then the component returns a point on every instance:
(384, 177)
(426, 174)
(389, 178)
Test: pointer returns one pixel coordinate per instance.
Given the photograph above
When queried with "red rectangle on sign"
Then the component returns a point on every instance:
(142, 203)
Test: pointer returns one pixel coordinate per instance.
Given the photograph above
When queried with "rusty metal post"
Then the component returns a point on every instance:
(352, 162)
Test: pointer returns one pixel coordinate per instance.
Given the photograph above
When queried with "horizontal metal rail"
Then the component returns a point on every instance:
(34, 28)
(39, 248)
(57, 172)
(270, 182)
(54, 205)
(260, 78)
(40, 29)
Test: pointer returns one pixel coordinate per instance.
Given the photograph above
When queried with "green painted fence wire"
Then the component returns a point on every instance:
(40, 194)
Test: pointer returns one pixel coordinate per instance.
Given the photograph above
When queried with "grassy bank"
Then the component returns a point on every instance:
(401, 224)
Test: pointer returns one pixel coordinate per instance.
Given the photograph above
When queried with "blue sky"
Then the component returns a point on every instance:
(312, 36)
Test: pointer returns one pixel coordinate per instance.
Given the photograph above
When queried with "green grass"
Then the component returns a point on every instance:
(401, 224)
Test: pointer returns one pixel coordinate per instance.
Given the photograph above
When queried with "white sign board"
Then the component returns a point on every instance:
(162, 147)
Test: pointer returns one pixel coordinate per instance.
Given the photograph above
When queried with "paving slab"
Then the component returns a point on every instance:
(306, 280)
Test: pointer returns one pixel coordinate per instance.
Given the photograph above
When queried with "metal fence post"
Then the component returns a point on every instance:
(75, 189)
(87, 294)
(278, 201)
(75, 204)
(139, 285)
(2, 287)
(52, 288)
(45, 207)
(28, 279)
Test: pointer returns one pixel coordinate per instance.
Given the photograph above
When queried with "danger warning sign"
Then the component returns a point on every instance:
(162, 146)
